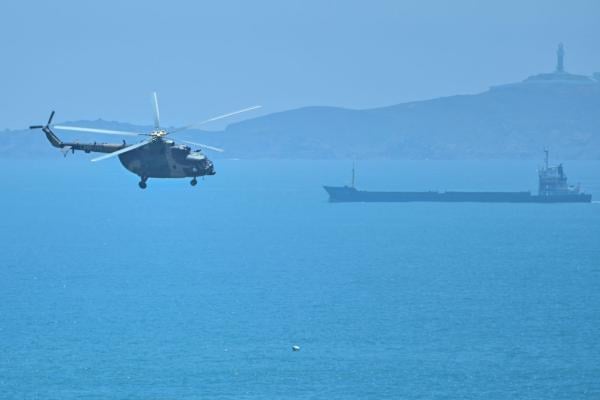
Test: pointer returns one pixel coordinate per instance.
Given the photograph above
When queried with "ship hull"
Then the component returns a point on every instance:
(346, 194)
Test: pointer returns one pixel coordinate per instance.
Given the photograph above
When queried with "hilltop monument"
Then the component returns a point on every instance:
(560, 59)
(560, 75)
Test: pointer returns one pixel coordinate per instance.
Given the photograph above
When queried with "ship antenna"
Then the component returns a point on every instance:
(546, 158)
(353, 174)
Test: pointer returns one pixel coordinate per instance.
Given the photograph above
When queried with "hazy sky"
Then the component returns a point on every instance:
(102, 59)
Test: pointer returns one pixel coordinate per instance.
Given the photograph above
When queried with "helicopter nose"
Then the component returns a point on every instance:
(209, 168)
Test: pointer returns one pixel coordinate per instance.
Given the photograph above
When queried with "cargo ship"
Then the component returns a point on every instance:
(553, 188)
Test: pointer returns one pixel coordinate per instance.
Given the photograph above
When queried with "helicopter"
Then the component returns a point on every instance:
(157, 156)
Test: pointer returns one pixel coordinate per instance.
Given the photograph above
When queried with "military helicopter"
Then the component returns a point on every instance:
(154, 157)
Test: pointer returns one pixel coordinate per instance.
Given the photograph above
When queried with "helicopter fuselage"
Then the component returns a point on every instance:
(164, 159)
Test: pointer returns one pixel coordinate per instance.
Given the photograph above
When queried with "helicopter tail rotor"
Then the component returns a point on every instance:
(54, 140)
(50, 119)
(44, 126)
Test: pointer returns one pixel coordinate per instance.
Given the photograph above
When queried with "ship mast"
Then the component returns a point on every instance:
(546, 157)
(353, 174)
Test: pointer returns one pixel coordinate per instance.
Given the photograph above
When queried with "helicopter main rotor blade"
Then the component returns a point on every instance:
(204, 146)
(156, 111)
(123, 150)
(94, 130)
(183, 128)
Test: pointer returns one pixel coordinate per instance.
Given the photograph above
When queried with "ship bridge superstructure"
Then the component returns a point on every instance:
(553, 180)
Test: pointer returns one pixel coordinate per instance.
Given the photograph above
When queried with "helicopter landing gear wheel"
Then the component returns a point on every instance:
(194, 181)
(142, 184)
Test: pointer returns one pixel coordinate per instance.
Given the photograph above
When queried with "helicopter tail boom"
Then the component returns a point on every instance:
(52, 138)
(72, 146)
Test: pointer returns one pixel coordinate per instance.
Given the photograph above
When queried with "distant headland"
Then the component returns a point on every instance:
(556, 110)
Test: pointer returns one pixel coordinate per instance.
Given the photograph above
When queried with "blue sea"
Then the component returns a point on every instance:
(178, 292)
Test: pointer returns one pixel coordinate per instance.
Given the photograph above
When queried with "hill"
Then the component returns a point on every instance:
(511, 121)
